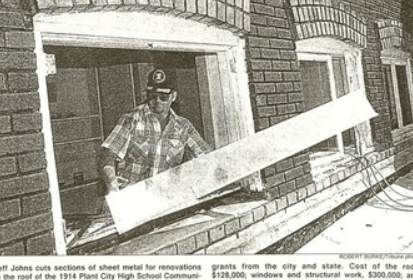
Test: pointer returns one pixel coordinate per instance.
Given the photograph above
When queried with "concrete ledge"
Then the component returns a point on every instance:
(252, 226)
(247, 223)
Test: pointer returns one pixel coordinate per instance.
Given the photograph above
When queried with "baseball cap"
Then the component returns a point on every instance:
(159, 80)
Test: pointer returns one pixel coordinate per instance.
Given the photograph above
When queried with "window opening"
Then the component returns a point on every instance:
(88, 94)
(388, 86)
(398, 88)
(331, 69)
(406, 106)
(317, 90)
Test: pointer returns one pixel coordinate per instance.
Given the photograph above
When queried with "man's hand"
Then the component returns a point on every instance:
(113, 186)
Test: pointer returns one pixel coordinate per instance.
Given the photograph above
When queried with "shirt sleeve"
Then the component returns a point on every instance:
(119, 139)
(196, 145)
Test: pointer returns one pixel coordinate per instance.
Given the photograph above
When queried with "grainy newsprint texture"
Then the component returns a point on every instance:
(205, 127)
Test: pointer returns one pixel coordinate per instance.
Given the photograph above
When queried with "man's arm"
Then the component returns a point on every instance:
(196, 144)
(109, 170)
(114, 147)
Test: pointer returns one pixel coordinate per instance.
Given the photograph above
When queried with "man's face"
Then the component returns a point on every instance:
(160, 103)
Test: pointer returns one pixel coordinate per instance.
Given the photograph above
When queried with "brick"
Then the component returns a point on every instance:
(258, 19)
(281, 203)
(263, 9)
(294, 65)
(11, 20)
(286, 188)
(275, 3)
(36, 203)
(264, 88)
(265, 111)
(221, 11)
(280, 13)
(232, 226)
(326, 182)
(294, 97)
(168, 250)
(281, 44)
(258, 213)
(278, 119)
(260, 64)
(276, 22)
(19, 39)
(32, 161)
(22, 81)
(271, 208)
(9, 209)
(23, 185)
(69, 3)
(285, 165)
(186, 246)
(292, 198)
(17, 60)
(263, 123)
(12, 250)
(285, 87)
(247, 23)
(285, 34)
(30, 142)
(294, 173)
(8, 166)
(304, 180)
(40, 245)
(268, 171)
(26, 122)
(19, 101)
(311, 189)
(272, 193)
(307, 167)
(258, 77)
(201, 239)
(301, 158)
(5, 124)
(21, 143)
(230, 17)
(277, 99)
(45, 4)
(281, 65)
(25, 227)
(319, 186)
(254, 52)
(267, 32)
(270, 53)
(275, 180)
(302, 193)
(246, 220)
(259, 99)
(217, 233)
(259, 42)
(286, 109)
(291, 76)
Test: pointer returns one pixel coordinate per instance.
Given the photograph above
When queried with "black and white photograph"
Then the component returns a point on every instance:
(207, 127)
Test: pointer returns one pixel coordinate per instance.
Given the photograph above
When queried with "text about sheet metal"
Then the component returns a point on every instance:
(345, 266)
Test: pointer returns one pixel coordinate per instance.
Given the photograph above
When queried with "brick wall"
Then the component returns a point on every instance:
(275, 89)
(25, 205)
(273, 70)
(232, 15)
(328, 18)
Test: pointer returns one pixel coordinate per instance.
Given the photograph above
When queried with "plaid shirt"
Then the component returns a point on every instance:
(145, 150)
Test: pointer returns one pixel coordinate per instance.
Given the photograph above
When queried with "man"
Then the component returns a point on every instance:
(151, 139)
